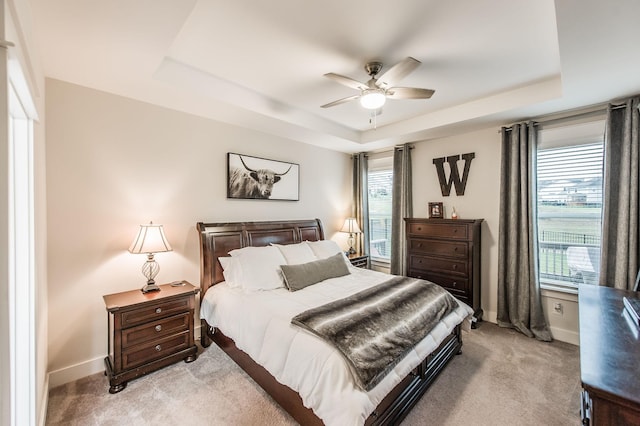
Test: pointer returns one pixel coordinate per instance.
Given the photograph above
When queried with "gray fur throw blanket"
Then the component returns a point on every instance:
(375, 328)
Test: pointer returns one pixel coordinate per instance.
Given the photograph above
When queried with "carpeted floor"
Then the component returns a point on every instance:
(501, 378)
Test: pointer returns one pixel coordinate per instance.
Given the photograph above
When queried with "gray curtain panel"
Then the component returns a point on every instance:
(402, 206)
(361, 199)
(619, 255)
(519, 300)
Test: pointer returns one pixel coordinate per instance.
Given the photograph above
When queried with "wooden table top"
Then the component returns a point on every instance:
(609, 344)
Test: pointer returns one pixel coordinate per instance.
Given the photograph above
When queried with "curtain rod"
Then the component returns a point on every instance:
(598, 111)
(384, 150)
(557, 120)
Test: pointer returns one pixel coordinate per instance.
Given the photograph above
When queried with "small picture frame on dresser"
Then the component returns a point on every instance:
(436, 211)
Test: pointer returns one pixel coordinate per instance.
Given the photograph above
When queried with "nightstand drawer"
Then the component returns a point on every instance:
(152, 312)
(155, 329)
(438, 230)
(437, 247)
(434, 264)
(359, 261)
(147, 352)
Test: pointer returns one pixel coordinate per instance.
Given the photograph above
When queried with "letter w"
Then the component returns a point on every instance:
(454, 176)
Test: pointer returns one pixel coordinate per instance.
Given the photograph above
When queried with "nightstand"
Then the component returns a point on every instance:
(149, 331)
(359, 261)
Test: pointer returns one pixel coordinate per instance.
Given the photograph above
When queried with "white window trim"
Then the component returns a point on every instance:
(21, 259)
(579, 132)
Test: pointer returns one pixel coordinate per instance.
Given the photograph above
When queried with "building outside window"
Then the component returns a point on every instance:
(570, 187)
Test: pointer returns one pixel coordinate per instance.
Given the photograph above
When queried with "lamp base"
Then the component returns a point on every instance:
(351, 250)
(149, 287)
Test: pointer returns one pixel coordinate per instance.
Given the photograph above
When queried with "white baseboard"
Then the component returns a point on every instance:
(83, 369)
(561, 334)
(75, 372)
(567, 336)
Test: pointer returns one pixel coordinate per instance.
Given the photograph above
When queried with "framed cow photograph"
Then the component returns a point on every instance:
(261, 179)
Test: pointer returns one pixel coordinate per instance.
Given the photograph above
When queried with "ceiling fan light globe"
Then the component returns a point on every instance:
(372, 99)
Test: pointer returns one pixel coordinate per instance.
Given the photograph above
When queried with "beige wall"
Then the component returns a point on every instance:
(114, 163)
(481, 200)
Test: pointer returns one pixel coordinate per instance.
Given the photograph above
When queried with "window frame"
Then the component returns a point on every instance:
(566, 134)
(377, 163)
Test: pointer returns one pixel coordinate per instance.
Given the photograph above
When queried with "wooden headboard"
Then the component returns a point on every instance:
(218, 239)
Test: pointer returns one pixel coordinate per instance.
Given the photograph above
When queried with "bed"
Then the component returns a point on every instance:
(393, 397)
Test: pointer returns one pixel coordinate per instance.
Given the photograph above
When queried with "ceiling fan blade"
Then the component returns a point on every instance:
(340, 101)
(398, 72)
(409, 93)
(349, 82)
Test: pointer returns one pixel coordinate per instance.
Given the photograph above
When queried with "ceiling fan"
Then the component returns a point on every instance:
(376, 91)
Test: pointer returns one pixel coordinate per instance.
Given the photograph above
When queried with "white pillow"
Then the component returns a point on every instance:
(231, 271)
(260, 267)
(296, 254)
(324, 248)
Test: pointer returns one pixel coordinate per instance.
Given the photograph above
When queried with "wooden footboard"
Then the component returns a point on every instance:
(393, 408)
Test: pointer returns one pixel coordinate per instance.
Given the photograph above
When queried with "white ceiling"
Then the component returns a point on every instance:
(260, 64)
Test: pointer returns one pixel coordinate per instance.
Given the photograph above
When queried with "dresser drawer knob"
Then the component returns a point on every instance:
(158, 328)
(158, 348)
(455, 230)
(455, 284)
(158, 310)
(455, 249)
(420, 245)
(455, 267)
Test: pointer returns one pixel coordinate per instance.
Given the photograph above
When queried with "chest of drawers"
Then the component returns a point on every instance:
(447, 252)
(149, 331)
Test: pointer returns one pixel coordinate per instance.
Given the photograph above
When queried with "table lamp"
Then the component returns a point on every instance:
(150, 240)
(351, 227)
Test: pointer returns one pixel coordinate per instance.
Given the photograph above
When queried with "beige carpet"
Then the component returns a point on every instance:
(501, 378)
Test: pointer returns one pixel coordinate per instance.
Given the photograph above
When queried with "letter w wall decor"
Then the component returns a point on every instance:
(454, 176)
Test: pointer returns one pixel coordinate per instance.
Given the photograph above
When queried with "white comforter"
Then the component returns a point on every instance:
(260, 324)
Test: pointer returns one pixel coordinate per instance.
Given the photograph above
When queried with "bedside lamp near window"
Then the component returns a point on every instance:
(351, 227)
(150, 240)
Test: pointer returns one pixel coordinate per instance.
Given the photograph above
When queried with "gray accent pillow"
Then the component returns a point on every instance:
(297, 277)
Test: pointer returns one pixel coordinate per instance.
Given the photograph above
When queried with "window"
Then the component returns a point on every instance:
(570, 186)
(380, 183)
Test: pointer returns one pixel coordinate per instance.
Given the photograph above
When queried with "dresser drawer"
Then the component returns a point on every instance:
(438, 247)
(155, 311)
(155, 329)
(150, 351)
(439, 230)
(456, 286)
(434, 264)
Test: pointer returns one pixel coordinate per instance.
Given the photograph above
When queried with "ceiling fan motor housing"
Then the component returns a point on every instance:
(373, 68)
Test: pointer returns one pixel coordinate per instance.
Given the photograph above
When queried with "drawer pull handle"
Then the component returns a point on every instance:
(158, 328)
(158, 310)
(419, 228)
(455, 283)
(158, 348)
(455, 230)
(455, 249)
(455, 267)
(420, 245)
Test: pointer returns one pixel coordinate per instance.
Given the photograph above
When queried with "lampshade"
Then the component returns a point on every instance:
(351, 226)
(150, 239)
(372, 98)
